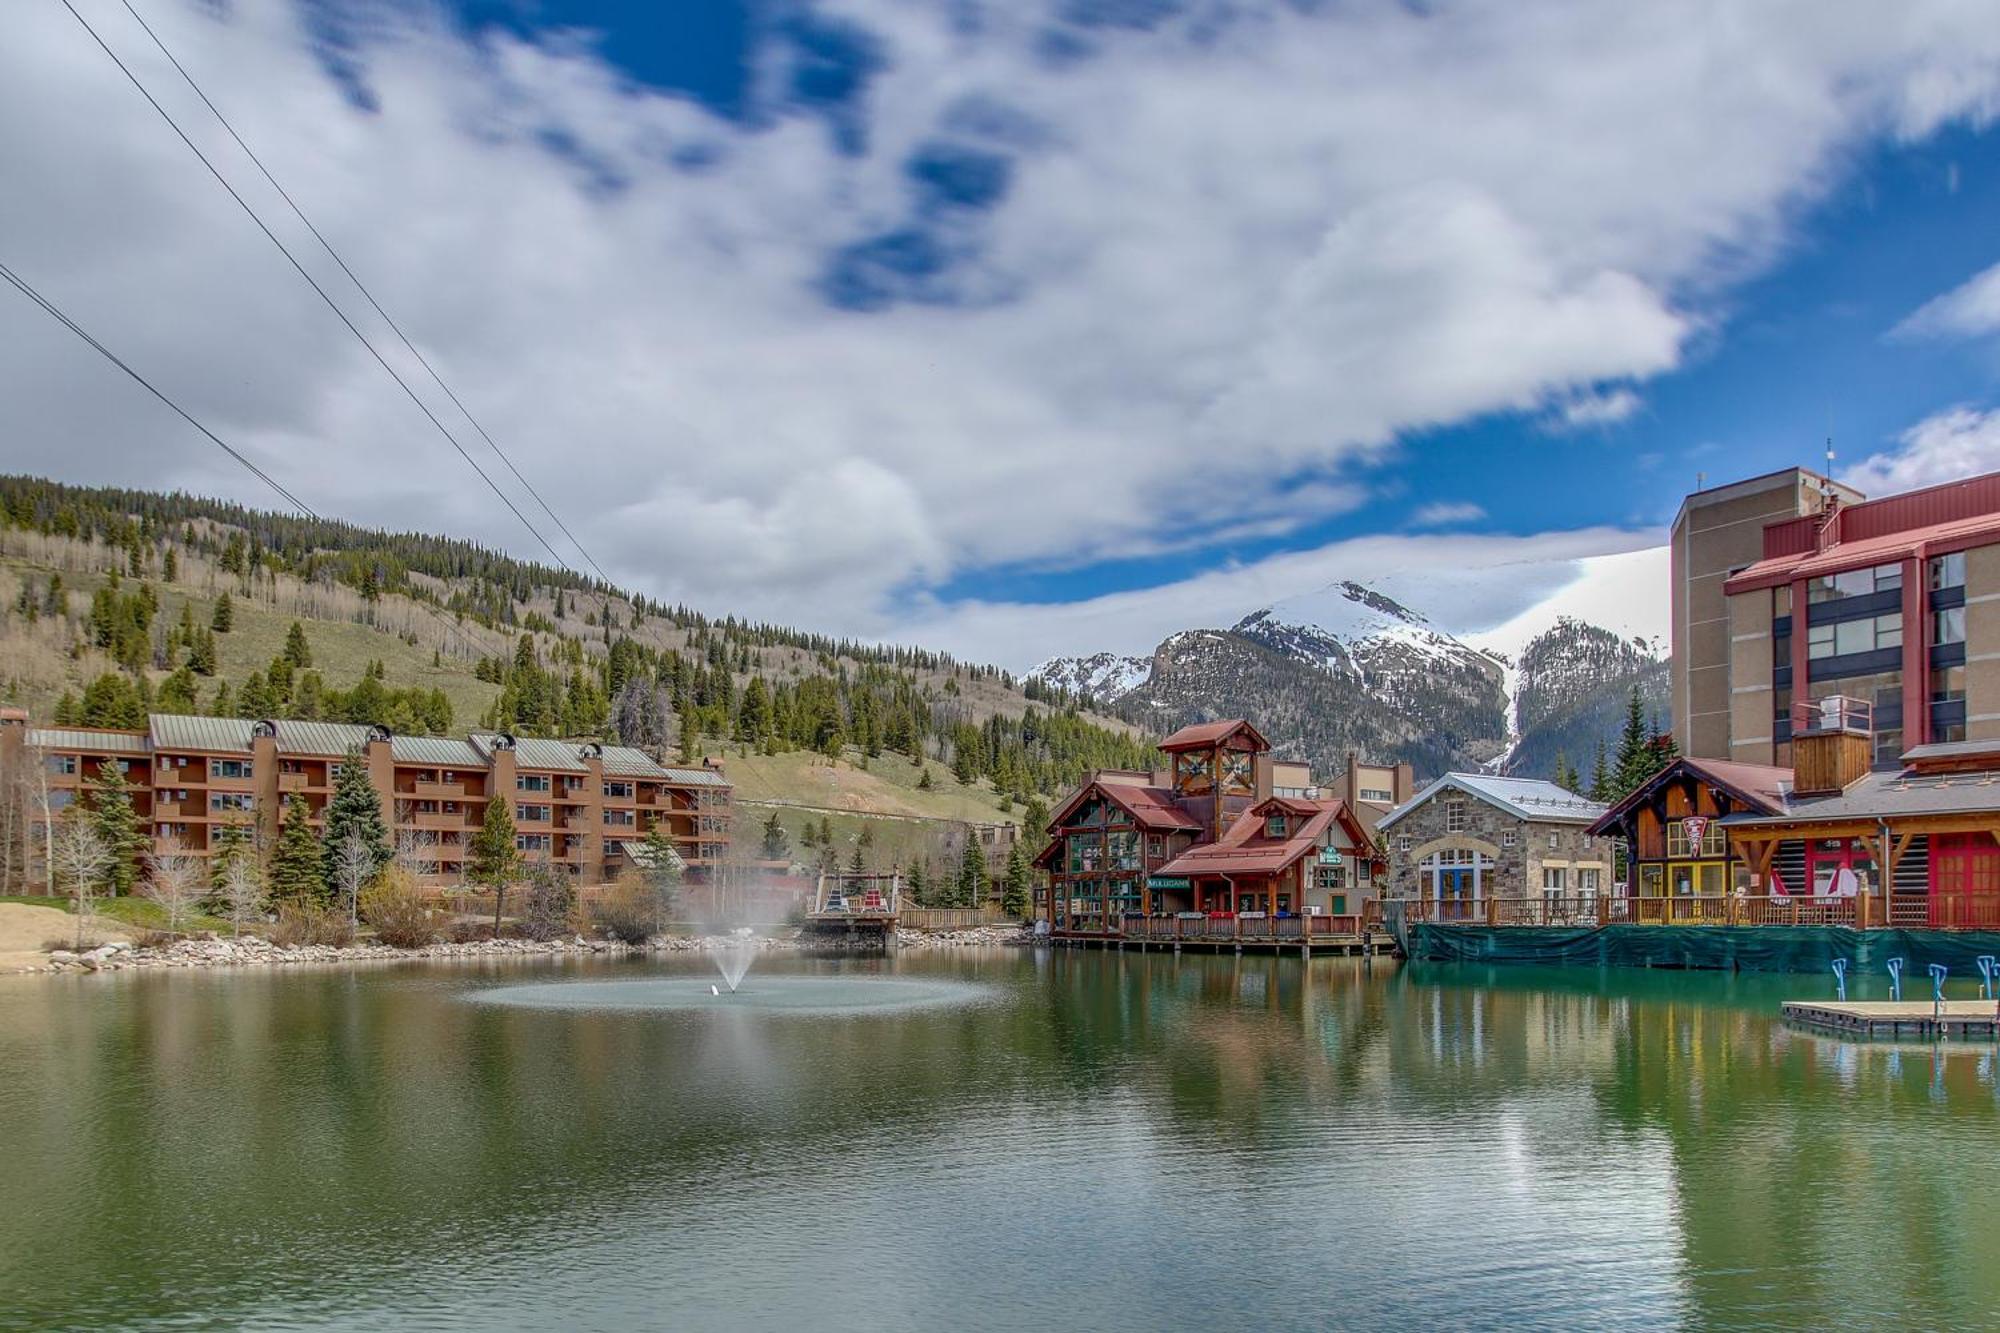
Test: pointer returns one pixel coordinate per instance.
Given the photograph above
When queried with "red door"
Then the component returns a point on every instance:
(1965, 881)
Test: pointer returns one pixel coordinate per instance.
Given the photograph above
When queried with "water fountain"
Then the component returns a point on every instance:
(734, 957)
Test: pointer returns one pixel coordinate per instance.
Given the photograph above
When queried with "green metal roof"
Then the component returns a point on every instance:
(444, 751)
(180, 731)
(331, 739)
(535, 753)
(626, 762)
(88, 741)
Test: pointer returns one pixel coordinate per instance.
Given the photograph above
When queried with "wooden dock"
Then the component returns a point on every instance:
(1975, 1019)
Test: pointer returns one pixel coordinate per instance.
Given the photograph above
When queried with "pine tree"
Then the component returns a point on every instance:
(972, 875)
(298, 652)
(117, 825)
(223, 618)
(777, 843)
(1017, 897)
(491, 858)
(857, 863)
(1035, 825)
(1600, 777)
(170, 567)
(1633, 767)
(298, 866)
(918, 884)
(354, 809)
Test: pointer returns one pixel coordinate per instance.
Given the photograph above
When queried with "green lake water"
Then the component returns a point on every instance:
(1020, 1141)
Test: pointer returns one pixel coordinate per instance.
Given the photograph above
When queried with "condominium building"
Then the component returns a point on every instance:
(580, 804)
(1790, 590)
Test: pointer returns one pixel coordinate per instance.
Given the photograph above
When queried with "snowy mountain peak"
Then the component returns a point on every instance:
(1104, 676)
(1344, 610)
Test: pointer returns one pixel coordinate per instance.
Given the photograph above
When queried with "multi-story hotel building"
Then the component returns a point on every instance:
(578, 803)
(1790, 589)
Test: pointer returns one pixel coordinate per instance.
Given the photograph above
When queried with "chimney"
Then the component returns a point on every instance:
(1406, 782)
(1260, 771)
(1833, 744)
(1350, 790)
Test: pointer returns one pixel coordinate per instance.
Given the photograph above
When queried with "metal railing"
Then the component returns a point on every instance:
(1863, 911)
(1247, 928)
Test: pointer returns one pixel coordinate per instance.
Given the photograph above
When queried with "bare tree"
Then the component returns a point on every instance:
(242, 890)
(80, 860)
(353, 867)
(174, 880)
(416, 849)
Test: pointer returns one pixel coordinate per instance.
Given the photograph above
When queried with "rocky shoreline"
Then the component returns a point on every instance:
(254, 951)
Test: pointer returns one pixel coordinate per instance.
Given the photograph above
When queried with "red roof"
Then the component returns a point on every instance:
(1244, 850)
(1204, 734)
(1761, 785)
(1930, 539)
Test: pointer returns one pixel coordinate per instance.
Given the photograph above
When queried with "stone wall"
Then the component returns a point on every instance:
(1519, 848)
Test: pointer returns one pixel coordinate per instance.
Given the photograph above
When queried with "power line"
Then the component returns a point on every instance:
(362, 288)
(314, 284)
(50, 308)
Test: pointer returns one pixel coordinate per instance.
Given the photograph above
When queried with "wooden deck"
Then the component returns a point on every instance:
(1302, 935)
(1979, 1019)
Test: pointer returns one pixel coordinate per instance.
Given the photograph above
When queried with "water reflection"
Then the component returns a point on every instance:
(1121, 1140)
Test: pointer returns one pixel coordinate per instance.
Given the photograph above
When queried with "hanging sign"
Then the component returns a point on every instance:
(1697, 828)
(1329, 856)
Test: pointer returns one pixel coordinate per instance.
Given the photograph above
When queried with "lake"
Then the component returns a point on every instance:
(1024, 1141)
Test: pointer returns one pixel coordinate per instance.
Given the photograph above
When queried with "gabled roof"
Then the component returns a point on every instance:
(1761, 786)
(1524, 798)
(625, 762)
(1204, 734)
(1244, 850)
(88, 740)
(1151, 808)
(180, 731)
(1888, 796)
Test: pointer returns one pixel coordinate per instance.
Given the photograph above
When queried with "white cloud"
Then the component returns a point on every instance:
(1966, 311)
(1589, 410)
(1950, 445)
(1447, 513)
(1484, 587)
(1242, 256)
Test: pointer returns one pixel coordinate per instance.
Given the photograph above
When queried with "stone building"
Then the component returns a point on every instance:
(1468, 838)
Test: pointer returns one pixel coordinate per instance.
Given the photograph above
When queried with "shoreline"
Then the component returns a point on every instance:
(255, 951)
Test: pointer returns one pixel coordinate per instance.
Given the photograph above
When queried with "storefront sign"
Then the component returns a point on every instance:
(1169, 881)
(1329, 856)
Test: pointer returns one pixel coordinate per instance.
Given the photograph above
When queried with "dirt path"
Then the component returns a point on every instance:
(25, 930)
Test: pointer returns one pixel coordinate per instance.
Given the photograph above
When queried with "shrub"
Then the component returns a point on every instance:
(301, 924)
(466, 930)
(627, 911)
(550, 909)
(396, 910)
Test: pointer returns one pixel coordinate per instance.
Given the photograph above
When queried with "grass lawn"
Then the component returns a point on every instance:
(131, 910)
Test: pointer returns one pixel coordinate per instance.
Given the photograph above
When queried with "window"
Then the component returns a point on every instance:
(619, 790)
(1867, 635)
(1714, 842)
(531, 782)
(1555, 841)
(531, 814)
(1948, 685)
(1086, 853)
(1948, 571)
(1122, 845)
(1889, 748)
(230, 802)
(64, 764)
(1554, 881)
(1333, 877)
(1156, 846)
(1274, 826)
(1364, 871)
(1403, 844)
(1509, 838)
(1948, 625)
(531, 842)
(1379, 795)
(619, 819)
(1586, 881)
(1781, 600)
(1854, 583)
(229, 768)
(1454, 816)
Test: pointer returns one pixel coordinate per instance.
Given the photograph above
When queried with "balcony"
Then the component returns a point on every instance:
(438, 820)
(439, 791)
(288, 782)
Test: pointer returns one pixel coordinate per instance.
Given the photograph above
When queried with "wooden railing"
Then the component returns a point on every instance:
(952, 918)
(1252, 929)
(1968, 911)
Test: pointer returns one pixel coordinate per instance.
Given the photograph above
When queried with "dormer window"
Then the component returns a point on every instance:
(1274, 826)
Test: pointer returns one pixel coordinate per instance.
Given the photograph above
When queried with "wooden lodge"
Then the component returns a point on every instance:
(1228, 846)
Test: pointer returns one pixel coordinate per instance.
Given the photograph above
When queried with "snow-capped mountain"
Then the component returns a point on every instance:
(1352, 668)
(1107, 677)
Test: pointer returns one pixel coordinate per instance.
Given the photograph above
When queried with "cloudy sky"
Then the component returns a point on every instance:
(1021, 326)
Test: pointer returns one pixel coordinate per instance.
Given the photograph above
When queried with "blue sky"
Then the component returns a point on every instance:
(1044, 326)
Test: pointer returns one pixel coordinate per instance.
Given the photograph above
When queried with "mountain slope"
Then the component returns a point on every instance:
(1351, 669)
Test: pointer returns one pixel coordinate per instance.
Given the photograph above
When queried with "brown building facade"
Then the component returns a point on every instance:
(577, 803)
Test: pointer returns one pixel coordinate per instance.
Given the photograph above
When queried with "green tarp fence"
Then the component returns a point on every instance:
(1723, 948)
